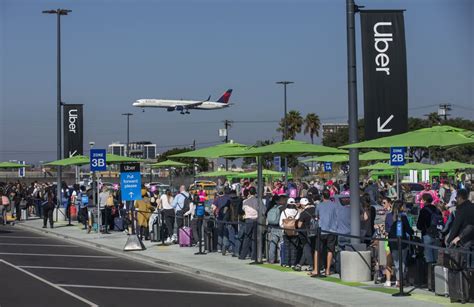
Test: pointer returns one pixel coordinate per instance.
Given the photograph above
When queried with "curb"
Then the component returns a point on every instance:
(244, 285)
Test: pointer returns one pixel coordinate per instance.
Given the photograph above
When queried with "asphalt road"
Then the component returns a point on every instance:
(37, 270)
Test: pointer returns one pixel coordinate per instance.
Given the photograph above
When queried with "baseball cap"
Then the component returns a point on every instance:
(304, 201)
(290, 201)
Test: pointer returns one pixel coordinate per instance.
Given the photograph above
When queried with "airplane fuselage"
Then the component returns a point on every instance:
(179, 104)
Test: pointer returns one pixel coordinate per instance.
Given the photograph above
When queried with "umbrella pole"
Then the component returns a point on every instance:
(398, 182)
(260, 218)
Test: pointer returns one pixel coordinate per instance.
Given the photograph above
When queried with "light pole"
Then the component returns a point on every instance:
(128, 131)
(285, 124)
(59, 13)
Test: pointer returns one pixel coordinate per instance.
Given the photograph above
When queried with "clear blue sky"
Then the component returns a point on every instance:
(115, 52)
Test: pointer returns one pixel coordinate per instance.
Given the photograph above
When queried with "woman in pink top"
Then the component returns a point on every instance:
(434, 195)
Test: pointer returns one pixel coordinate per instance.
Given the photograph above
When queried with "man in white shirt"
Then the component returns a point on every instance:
(250, 207)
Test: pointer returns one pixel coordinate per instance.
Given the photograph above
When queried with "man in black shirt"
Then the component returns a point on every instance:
(304, 222)
(428, 214)
(464, 216)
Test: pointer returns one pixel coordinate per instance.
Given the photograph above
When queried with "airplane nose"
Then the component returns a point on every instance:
(136, 103)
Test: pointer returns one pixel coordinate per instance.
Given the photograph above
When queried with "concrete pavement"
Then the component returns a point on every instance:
(292, 287)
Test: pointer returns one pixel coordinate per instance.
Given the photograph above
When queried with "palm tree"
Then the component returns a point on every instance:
(312, 125)
(294, 123)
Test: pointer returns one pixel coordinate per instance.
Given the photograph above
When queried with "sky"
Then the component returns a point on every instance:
(115, 52)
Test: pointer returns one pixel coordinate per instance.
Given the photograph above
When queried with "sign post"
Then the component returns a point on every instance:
(130, 189)
(328, 167)
(397, 158)
(98, 163)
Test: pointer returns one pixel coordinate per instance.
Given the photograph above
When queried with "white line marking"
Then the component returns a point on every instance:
(91, 269)
(32, 244)
(51, 284)
(154, 290)
(21, 237)
(57, 255)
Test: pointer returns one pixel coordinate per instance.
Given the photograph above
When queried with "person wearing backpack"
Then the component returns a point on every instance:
(273, 220)
(288, 219)
(181, 204)
(430, 223)
(307, 221)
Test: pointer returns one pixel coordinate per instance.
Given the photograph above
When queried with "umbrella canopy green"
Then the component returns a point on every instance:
(436, 136)
(76, 160)
(286, 148)
(168, 163)
(378, 166)
(12, 165)
(220, 174)
(213, 151)
(453, 165)
(418, 166)
(329, 158)
(388, 172)
(374, 155)
(116, 159)
(265, 173)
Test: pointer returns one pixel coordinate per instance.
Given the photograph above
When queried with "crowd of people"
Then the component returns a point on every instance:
(441, 214)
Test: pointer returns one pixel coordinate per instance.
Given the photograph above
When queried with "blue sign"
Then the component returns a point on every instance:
(328, 166)
(21, 171)
(98, 160)
(397, 156)
(131, 186)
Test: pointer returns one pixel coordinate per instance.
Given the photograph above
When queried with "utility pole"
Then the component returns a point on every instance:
(227, 125)
(443, 110)
(128, 133)
(59, 13)
(351, 10)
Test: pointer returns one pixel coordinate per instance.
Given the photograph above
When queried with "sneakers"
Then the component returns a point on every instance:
(297, 268)
(388, 283)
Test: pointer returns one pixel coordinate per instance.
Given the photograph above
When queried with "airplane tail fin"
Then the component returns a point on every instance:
(225, 97)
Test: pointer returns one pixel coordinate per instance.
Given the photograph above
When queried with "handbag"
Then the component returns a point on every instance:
(289, 225)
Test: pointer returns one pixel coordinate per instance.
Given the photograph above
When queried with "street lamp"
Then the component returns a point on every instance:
(59, 13)
(285, 125)
(128, 131)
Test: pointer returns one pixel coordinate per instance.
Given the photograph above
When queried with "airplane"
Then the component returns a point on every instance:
(185, 105)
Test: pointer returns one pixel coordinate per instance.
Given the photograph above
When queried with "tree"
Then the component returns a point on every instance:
(434, 119)
(294, 123)
(203, 163)
(312, 125)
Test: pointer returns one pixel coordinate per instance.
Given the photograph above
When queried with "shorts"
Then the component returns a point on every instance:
(329, 241)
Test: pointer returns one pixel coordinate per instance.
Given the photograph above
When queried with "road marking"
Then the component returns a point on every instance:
(57, 255)
(51, 284)
(91, 269)
(21, 237)
(32, 244)
(154, 290)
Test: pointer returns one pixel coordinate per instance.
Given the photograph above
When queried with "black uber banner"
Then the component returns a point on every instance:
(73, 130)
(385, 73)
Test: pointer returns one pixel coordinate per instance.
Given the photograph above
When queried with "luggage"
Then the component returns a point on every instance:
(73, 212)
(431, 277)
(416, 272)
(155, 234)
(441, 277)
(458, 283)
(119, 224)
(185, 236)
(23, 214)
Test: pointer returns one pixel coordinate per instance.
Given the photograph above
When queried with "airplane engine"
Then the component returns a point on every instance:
(170, 109)
(180, 108)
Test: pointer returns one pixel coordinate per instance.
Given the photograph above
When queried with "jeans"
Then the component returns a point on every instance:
(249, 239)
(276, 236)
(431, 255)
(239, 239)
(48, 214)
(222, 236)
(232, 233)
(396, 261)
(169, 216)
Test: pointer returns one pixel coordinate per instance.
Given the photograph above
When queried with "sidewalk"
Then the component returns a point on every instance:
(267, 280)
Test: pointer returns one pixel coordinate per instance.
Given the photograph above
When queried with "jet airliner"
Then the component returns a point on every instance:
(185, 105)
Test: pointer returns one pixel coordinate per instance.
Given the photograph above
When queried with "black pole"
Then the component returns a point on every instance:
(351, 9)
(285, 123)
(128, 133)
(58, 105)
(226, 125)
(194, 163)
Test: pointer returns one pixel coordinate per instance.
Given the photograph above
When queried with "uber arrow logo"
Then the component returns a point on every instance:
(381, 127)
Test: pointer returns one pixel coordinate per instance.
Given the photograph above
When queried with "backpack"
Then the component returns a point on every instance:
(186, 203)
(273, 215)
(436, 224)
(289, 225)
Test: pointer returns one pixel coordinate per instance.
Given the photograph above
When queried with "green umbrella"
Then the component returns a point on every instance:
(388, 172)
(116, 159)
(453, 165)
(329, 158)
(436, 136)
(168, 163)
(213, 151)
(418, 166)
(76, 160)
(374, 155)
(286, 148)
(12, 165)
(265, 173)
(378, 166)
(219, 174)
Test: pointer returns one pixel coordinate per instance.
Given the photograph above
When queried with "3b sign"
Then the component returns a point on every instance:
(397, 156)
(98, 160)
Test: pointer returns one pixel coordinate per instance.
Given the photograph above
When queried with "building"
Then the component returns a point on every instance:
(141, 150)
(333, 128)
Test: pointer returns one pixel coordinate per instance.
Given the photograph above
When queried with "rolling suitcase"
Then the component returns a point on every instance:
(155, 234)
(458, 286)
(441, 277)
(185, 236)
(431, 277)
(416, 272)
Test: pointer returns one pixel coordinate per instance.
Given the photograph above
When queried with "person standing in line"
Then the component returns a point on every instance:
(250, 207)
(144, 210)
(290, 235)
(181, 204)
(48, 208)
(304, 223)
(168, 214)
(427, 224)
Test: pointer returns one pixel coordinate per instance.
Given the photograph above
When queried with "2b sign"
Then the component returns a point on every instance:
(98, 160)
(397, 156)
